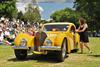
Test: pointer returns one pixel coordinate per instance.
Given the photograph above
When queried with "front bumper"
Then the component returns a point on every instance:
(20, 47)
(50, 48)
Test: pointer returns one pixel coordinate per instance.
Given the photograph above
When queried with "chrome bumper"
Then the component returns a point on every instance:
(52, 48)
(20, 47)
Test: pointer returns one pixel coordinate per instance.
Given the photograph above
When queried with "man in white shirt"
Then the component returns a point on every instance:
(8, 36)
(2, 41)
(1, 36)
(7, 33)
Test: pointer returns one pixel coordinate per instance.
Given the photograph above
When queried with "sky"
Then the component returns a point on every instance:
(47, 7)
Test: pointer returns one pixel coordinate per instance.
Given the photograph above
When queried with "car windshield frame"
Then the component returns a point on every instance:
(56, 27)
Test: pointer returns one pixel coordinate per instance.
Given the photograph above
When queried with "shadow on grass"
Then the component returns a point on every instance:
(50, 58)
(95, 55)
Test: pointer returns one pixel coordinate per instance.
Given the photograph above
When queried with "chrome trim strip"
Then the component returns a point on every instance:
(19, 47)
(52, 48)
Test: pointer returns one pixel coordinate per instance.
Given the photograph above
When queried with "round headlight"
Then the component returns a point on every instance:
(23, 42)
(48, 42)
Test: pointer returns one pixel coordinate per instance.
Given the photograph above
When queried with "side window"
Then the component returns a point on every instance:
(72, 30)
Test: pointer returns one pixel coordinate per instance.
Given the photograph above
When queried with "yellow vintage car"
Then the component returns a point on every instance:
(59, 37)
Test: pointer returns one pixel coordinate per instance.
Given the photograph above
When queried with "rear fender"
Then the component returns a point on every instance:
(59, 41)
(77, 39)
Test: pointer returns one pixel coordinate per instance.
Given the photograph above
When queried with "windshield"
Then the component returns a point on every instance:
(56, 27)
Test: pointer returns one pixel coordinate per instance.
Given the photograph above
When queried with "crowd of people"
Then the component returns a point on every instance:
(10, 29)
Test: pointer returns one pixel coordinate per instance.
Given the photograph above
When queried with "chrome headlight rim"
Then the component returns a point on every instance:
(23, 42)
(48, 42)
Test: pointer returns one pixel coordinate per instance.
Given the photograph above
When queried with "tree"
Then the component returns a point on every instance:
(20, 15)
(66, 15)
(89, 9)
(32, 14)
(8, 8)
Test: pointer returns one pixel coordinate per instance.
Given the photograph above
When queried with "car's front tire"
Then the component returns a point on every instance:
(63, 53)
(20, 54)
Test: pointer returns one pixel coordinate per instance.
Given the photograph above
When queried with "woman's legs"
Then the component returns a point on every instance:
(81, 46)
(86, 45)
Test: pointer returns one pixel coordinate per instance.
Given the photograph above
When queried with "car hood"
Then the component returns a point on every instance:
(52, 34)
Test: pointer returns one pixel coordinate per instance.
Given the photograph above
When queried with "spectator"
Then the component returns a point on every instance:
(30, 30)
(7, 33)
(7, 36)
(1, 36)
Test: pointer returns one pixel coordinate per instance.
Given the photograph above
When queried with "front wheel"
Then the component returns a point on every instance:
(62, 54)
(20, 54)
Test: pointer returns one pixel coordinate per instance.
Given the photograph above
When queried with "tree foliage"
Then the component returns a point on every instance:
(8, 8)
(65, 15)
(20, 15)
(90, 9)
(32, 14)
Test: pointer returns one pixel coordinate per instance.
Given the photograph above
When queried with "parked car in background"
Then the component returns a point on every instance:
(97, 34)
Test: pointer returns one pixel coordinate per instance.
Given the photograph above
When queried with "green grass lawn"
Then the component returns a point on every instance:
(7, 58)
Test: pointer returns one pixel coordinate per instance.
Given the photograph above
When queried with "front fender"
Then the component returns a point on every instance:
(77, 39)
(19, 37)
(59, 39)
